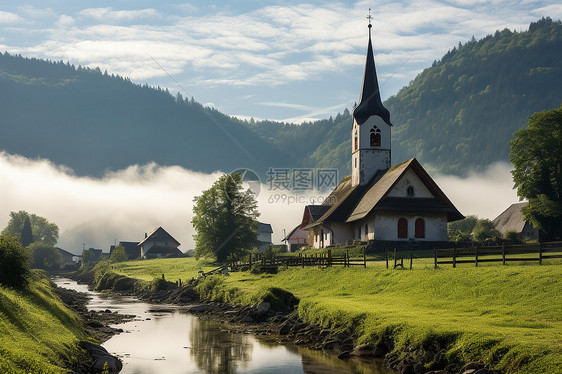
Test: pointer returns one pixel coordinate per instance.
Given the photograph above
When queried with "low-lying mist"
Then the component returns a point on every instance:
(126, 204)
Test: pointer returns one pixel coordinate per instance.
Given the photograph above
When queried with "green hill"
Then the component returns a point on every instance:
(455, 116)
(461, 112)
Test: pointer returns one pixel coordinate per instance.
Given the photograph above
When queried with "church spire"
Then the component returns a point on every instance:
(370, 103)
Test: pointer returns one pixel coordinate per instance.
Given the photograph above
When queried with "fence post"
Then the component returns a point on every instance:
(329, 257)
(476, 256)
(540, 253)
(386, 256)
(503, 253)
(394, 258)
(302, 260)
(365, 256)
(411, 260)
(455, 258)
(250, 261)
(347, 257)
(435, 251)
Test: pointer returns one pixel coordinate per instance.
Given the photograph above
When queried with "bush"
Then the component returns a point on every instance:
(14, 263)
(485, 229)
(158, 284)
(44, 256)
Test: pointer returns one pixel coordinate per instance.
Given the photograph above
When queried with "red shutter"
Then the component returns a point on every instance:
(420, 228)
(402, 228)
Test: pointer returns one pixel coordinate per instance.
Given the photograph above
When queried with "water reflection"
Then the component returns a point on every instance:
(215, 350)
(166, 339)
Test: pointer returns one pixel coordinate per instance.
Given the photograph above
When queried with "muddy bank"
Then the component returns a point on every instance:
(96, 323)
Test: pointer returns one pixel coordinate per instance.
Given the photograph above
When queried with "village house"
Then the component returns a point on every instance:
(378, 201)
(296, 239)
(264, 235)
(132, 250)
(159, 244)
(512, 220)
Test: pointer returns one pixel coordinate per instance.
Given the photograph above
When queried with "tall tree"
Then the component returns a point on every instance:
(26, 237)
(43, 230)
(225, 220)
(536, 154)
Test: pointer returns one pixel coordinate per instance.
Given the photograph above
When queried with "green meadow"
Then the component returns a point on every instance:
(38, 333)
(509, 317)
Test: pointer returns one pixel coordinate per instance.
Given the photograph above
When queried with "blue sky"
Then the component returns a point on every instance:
(283, 60)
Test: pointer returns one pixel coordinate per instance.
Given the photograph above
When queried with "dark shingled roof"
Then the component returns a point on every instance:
(265, 228)
(159, 234)
(511, 219)
(355, 203)
(370, 103)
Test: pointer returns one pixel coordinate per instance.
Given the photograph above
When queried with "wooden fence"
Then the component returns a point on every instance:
(504, 254)
(302, 260)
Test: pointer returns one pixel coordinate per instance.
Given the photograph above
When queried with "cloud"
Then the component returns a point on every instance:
(9, 18)
(110, 15)
(125, 204)
(484, 194)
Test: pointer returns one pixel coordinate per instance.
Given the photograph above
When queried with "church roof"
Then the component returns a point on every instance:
(355, 203)
(159, 234)
(370, 102)
(511, 219)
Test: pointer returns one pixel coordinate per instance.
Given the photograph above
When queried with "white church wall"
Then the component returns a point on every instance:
(410, 178)
(386, 226)
(365, 133)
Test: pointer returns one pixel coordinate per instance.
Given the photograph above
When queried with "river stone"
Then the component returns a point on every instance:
(263, 307)
(200, 308)
(89, 347)
(363, 350)
(114, 365)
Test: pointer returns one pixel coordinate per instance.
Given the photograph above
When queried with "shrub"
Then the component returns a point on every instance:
(158, 284)
(14, 263)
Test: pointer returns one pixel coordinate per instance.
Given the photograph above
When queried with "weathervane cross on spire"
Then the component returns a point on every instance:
(369, 17)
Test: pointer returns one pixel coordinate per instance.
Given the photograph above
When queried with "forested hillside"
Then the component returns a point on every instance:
(461, 112)
(91, 122)
(455, 116)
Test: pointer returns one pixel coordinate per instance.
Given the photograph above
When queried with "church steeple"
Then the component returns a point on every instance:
(370, 103)
(371, 127)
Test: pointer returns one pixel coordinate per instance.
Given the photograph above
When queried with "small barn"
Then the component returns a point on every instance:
(132, 249)
(264, 235)
(159, 244)
(512, 220)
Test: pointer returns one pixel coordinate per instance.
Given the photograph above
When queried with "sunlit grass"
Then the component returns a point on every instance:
(38, 333)
(511, 312)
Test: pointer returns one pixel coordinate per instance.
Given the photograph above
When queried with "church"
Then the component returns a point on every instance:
(378, 201)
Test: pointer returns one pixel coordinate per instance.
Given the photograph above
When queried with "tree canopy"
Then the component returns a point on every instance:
(43, 230)
(14, 263)
(536, 154)
(118, 254)
(44, 256)
(225, 220)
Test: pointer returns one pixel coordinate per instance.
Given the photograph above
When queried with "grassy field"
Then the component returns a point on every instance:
(508, 316)
(38, 333)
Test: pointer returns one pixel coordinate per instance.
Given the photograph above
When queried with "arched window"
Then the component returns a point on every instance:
(356, 140)
(410, 191)
(420, 228)
(402, 228)
(375, 137)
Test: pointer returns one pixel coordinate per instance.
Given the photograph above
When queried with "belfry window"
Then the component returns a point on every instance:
(355, 140)
(410, 191)
(375, 137)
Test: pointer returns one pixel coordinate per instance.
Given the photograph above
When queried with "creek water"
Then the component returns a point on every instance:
(167, 339)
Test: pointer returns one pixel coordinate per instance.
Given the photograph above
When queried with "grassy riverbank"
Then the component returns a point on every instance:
(38, 334)
(506, 316)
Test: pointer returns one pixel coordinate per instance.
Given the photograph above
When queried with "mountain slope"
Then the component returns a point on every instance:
(460, 113)
(91, 122)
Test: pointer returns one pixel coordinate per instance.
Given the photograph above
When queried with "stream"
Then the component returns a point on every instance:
(167, 339)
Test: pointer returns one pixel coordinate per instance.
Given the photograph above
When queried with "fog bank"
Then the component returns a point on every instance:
(123, 205)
